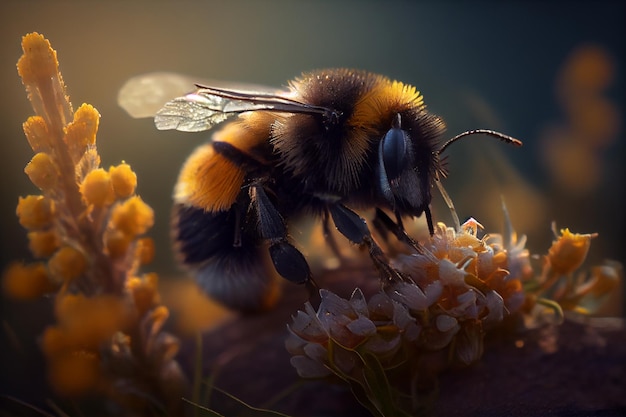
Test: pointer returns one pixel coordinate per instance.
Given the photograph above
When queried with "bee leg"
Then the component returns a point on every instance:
(353, 227)
(330, 238)
(288, 260)
(383, 222)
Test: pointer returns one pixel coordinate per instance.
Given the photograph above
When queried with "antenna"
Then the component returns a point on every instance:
(492, 133)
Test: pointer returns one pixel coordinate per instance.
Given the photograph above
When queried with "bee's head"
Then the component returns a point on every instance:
(404, 168)
(408, 162)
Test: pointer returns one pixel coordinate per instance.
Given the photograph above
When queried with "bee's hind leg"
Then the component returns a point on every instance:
(287, 260)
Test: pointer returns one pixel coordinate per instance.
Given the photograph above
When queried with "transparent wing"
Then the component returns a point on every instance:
(162, 95)
(208, 106)
(145, 94)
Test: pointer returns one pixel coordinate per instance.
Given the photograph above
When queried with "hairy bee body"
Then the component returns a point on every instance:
(304, 163)
(336, 141)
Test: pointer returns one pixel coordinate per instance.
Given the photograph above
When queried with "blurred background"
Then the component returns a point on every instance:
(548, 73)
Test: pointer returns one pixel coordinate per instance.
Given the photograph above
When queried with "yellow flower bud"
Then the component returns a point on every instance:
(124, 180)
(74, 373)
(145, 250)
(36, 132)
(26, 282)
(42, 171)
(117, 243)
(88, 321)
(132, 217)
(43, 243)
(39, 69)
(39, 60)
(604, 279)
(67, 305)
(97, 188)
(81, 132)
(54, 341)
(568, 252)
(144, 291)
(67, 263)
(159, 315)
(35, 211)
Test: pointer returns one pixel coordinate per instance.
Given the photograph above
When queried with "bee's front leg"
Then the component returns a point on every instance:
(353, 227)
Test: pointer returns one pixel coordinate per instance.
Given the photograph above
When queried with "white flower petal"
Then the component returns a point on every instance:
(308, 368)
(362, 327)
(294, 343)
(495, 304)
(316, 352)
(449, 274)
(380, 307)
(332, 304)
(445, 323)
(358, 302)
(433, 292)
(308, 327)
(382, 346)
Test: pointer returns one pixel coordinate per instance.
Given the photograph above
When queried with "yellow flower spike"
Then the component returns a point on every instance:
(35, 211)
(67, 263)
(39, 69)
(132, 217)
(27, 282)
(569, 251)
(37, 134)
(97, 188)
(42, 171)
(81, 132)
(124, 180)
(44, 243)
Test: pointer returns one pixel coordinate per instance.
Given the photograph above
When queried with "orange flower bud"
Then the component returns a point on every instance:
(54, 341)
(144, 291)
(26, 282)
(568, 252)
(39, 60)
(36, 132)
(124, 180)
(133, 217)
(604, 279)
(81, 132)
(159, 316)
(117, 243)
(97, 188)
(43, 243)
(88, 321)
(42, 171)
(35, 211)
(67, 263)
(74, 373)
(145, 250)
(39, 69)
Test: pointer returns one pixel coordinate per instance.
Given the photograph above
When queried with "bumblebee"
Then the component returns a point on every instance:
(335, 142)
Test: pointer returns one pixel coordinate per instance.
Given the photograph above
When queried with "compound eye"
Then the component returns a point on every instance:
(394, 152)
